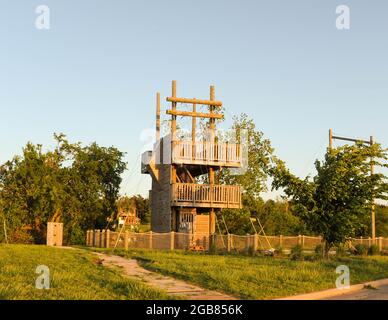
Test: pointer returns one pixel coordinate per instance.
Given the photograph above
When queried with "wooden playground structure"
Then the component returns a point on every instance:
(179, 203)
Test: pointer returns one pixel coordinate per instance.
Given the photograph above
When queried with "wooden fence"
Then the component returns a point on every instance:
(230, 242)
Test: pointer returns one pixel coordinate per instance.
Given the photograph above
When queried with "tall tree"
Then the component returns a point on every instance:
(257, 165)
(72, 184)
(336, 203)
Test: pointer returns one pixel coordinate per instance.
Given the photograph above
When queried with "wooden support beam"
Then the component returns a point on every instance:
(194, 114)
(157, 116)
(188, 100)
(194, 127)
(373, 209)
(350, 139)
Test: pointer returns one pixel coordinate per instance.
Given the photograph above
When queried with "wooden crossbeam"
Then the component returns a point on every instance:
(352, 140)
(194, 114)
(188, 100)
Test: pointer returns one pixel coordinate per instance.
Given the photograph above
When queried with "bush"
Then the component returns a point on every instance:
(251, 251)
(279, 251)
(374, 250)
(313, 257)
(213, 249)
(361, 250)
(297, 253)
(319, 250)
(340, 250)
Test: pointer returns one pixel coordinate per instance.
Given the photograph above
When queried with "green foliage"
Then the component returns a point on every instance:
(142, 205)
(319, 249)
(361, 249)
(259, 159)
(382, 221)
(237, 221)
(72, 184)
(374, 250)
(297, 253)
(341, 250)
(336, 203)
(279, 251)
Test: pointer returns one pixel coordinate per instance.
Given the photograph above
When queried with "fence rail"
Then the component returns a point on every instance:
(230, 242)
(206, 153)
(218, 196)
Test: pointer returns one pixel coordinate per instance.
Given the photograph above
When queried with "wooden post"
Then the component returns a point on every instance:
(331, 139)
(300, 240)
(247, 241)
(102, 239)
(150, 240)
(173, 139)
(96, 234)
(173, 121)
(172, 240)
(373, 213)
(369, 242)
(126, 236)
(255, 242)
(157, 117)
(212, 215)
(94, 237)
(303, 238)
(193, 132)
(281, 241)
(107, 241)
(229, 244)
(380, 244)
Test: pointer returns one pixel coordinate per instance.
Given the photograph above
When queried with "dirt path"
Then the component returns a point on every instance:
(173, 287)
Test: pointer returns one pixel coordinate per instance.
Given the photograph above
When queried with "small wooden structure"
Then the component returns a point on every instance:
(54, 234)
(178, 202)
(128, 218)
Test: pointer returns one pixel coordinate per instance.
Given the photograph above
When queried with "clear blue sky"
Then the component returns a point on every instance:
(94, 74)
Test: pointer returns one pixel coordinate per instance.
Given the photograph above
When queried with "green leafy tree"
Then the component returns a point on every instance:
(336, 203)
(72, 184)
(260, 156)
(382, 221)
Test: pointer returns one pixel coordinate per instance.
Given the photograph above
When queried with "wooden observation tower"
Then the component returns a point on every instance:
(178, 201)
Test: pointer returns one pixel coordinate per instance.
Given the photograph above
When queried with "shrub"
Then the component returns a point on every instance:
(319, 250)
(251, 251)
(340, 250)
(279, 251)
(213, 249)
(313, 257)
(297, 253)
(361, 249)
(374, 250)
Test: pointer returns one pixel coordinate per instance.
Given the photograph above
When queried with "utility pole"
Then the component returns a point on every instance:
(371, 143)
(372, 171)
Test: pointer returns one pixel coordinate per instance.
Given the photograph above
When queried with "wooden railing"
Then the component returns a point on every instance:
(199, 195)
(225, 154)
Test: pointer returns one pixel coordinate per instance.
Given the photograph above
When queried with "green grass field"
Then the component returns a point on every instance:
(258, 277)
(78, 275)
(75, 275)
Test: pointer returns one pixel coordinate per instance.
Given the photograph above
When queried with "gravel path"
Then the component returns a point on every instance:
(172, 286)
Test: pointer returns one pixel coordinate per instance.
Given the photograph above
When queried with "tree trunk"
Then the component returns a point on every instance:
(326, 249)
